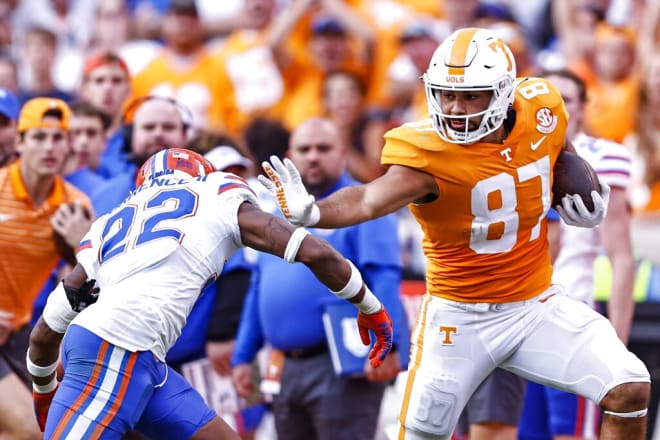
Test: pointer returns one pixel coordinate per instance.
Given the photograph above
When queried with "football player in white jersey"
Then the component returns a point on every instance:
(555, 413)
(151, 257)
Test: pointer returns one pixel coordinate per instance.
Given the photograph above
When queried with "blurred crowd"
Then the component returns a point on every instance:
(240, 63)
(244, 74)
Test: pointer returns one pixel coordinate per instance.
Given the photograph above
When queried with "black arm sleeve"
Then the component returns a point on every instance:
(231, 290)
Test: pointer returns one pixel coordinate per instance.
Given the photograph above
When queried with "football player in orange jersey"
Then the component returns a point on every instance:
(477, 175)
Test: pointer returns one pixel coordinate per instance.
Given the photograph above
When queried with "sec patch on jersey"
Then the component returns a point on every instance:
(574, 175)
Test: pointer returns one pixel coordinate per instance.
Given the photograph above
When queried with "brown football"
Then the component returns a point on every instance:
(573, 175)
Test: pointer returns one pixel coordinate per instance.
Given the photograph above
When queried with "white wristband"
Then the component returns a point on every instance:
(353, 285)
(629, 415)
(38, 370)
(44, 389)
(369, 304)
(293, 246)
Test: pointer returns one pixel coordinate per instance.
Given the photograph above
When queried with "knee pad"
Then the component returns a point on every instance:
(433, 407)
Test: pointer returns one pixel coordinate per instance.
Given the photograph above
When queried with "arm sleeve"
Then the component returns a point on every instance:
(250, 337)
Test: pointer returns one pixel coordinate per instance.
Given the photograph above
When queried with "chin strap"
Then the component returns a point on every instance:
(628, 415)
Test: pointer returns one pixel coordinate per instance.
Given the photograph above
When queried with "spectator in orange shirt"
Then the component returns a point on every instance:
(32, 196)
(185, 70)
(106, 85)
(253, 65)
(613, 96)
(361, 129)
(329, 51)
(645, 196)
(419, 39)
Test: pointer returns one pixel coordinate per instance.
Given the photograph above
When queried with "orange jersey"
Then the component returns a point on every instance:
(193, 81)
(27, 250)
(252, 83)
(611, 109)
(485, 235)
(306, 97)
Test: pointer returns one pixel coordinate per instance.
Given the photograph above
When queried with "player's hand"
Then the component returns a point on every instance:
(387, 372)
(285, 184)
(381, 324)
(72, 221)
(241, 377)
(575, 213)
(42, 405)
(219, 354)
(83, 296)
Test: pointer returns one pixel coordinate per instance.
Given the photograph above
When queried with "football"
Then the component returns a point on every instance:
(573, 175)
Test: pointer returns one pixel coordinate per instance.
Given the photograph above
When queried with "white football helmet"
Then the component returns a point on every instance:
(471, 59)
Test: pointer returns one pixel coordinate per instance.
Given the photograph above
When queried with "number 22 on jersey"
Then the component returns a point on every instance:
(156, 216)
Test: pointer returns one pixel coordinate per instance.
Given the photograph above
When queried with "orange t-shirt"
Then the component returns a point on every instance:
(251, 81)
(611, 109)
(27, 249)
(193, 81)
(485, 236)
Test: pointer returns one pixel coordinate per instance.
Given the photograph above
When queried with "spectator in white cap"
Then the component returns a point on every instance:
(230, 160)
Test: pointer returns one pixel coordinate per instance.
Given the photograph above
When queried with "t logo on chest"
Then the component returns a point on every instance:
(506, 154)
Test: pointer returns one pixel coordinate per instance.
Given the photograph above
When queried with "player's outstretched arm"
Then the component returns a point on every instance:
(351, 205)
(268, 233)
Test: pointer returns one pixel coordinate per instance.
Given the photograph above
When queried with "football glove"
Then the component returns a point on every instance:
(285, 184)
(42, 405)
(381, 324)
(82, 297)
(575, 213)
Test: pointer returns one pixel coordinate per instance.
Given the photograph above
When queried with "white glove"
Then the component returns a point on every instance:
(285, 184)
(574, 213)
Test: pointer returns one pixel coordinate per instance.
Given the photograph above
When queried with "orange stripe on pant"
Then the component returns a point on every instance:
(87, 391)
(112, 412)
(416, 360)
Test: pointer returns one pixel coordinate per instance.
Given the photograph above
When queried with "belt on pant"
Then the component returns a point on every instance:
(303, 353)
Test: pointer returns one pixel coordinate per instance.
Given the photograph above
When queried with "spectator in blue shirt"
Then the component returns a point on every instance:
(285, 307)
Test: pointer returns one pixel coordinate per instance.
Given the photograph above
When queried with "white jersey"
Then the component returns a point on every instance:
(153, 254)
(573, 268)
